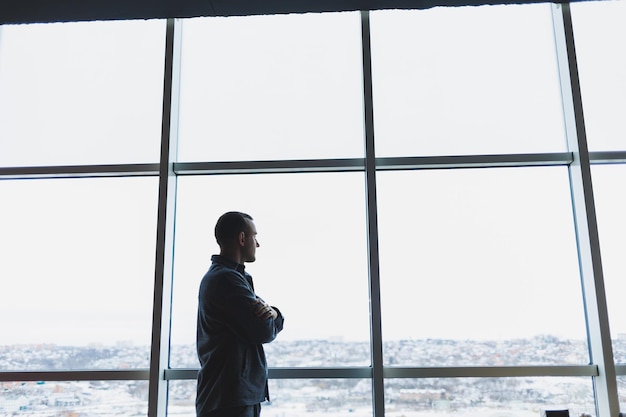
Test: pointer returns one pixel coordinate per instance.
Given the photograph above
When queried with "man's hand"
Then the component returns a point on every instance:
(263, 310)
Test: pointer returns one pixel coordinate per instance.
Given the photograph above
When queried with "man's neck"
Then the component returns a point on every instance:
(233, 256)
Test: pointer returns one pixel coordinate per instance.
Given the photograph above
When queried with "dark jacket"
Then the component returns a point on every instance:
(230, 339)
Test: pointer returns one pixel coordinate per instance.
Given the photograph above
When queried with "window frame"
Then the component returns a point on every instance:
(578, 160)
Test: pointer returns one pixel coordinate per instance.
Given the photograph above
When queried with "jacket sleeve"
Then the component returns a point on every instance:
(278, 321)
(231, 301)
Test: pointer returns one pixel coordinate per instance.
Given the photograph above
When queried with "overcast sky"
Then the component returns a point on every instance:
(464, 254)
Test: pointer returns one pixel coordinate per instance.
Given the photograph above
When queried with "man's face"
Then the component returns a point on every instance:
(250, 245)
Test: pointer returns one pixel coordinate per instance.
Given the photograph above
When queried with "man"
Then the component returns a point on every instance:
(233, 324)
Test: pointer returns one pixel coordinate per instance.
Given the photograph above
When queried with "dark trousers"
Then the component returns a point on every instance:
(242, 411)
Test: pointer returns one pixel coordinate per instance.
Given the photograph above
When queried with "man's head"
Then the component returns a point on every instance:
(235, 232)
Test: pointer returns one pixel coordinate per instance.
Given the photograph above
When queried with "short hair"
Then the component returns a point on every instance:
(230, 224)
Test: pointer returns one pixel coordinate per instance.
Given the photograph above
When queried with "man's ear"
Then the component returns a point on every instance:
(241, 239)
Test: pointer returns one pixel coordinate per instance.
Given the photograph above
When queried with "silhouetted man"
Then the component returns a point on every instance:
(233, 325)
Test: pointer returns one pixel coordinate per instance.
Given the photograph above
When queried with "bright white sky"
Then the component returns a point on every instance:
(464, 254)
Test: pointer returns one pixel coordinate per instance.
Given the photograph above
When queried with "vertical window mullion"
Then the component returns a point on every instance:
(590, 264)
(161, 321)
(372, 224)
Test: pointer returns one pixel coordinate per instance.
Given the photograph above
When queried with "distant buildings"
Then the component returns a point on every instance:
(524, 396)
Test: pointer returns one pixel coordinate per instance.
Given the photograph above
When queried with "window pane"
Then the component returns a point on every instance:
(331, 397)
(479, 258)
(514, 397)
(608, 185)
(599, 33)
(621, 389)
(466, 80)
(292, 397)
(271, 87)
(304, 265)
(88, 398)
(81, 93)
(78, 267)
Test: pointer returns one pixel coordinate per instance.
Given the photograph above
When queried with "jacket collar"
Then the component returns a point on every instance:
(228, 263)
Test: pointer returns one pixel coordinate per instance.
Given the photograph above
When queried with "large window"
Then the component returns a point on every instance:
(420, 182)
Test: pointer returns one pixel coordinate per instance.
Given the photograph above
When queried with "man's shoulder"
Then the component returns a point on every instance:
(217, 270)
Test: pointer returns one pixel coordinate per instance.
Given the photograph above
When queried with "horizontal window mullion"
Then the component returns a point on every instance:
(79, 171)
(491, 372)
(76, 375)
(318, 373)
(409, 372)
(616, 157)
(620, 369)
(358, 164)
(265, 167)
(474, 161)
(313, 165)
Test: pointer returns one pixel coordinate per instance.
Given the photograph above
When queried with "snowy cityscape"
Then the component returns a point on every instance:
(404, 397)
